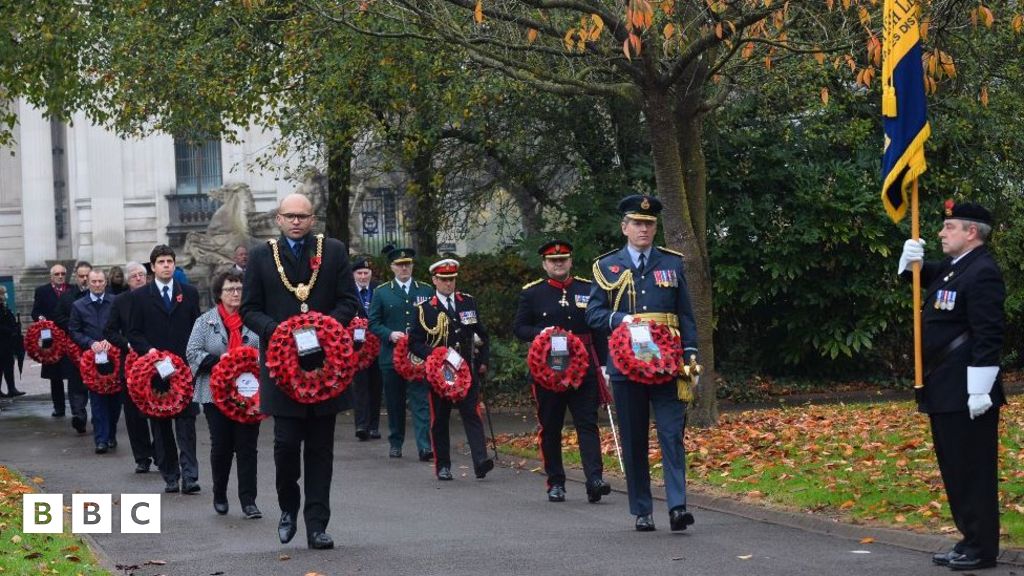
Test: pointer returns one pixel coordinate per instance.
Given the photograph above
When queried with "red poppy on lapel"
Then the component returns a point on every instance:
(180, 298)
(314, 263)
(614, 268)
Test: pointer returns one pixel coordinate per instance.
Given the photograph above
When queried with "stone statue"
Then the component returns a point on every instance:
(205, 253)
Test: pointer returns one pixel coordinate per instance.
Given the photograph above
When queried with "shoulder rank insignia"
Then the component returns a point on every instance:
(608, 253)
(587, 280)
(532, 284)
(670, 251)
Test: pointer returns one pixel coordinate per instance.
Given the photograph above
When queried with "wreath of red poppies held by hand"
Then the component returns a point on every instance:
(101, 383)
(453, 391)
(224, 387)
(50, 355)
(657, 371)
(129, 360)
(407, 365)
(370, 349)
(546, 376)
(155, 403)
(324, 383)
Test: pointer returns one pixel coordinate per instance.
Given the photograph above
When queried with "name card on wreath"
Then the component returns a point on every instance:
(644, 347)
(306, 341)
(101, 358)
(247, 384)
(454, 358)
(45, 338)
(359, 334)
(165, 368)
(558, 358)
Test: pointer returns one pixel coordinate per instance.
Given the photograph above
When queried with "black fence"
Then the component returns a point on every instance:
(381, 222)
(188, 213)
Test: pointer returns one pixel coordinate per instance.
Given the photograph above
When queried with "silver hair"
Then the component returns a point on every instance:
(132, 266)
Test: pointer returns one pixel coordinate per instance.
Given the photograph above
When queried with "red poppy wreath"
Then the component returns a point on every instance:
(129, 360)
(407, 365)
(109, 383)
(160, 403)
(238, 396)
(52, 353)
(453, 390)
(323, 383)
(370, 348)
(546, 376)
(658, 370)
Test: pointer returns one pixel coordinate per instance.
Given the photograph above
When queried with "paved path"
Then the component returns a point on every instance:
(391, 517)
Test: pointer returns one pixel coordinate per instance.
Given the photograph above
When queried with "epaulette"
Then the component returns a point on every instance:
(608, 253)
(457, 293)
(587, 280)
(670, 251)
(532, 284)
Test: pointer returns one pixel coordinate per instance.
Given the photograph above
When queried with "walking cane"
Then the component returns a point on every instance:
(615, 436)
(490, 423)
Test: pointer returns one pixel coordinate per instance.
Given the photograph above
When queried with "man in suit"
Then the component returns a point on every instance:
(161, 318)
(240, 258)
(366, 386)
(451, 319)
(392, 315)
(641, 282)
(560, 301)
(289, 275)
(116, 332)
(89, 317)
(962, 338)
(44, 303)
(78, 395)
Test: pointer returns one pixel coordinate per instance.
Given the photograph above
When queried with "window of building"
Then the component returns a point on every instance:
(197, 167)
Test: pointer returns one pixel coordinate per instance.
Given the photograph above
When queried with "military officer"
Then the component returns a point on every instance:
(642, 282)
(451, 319)
(962, 339)
(392, 315)
(560, 300)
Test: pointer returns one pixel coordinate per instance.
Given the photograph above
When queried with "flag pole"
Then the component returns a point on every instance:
(915, 232)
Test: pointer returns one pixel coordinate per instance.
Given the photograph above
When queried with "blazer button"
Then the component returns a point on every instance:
(645, 307)
(643, 291)
(544, 313)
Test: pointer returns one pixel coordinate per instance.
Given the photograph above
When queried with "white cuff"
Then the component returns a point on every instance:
(981, 378)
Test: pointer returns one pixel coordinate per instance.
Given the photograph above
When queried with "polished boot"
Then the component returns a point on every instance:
(320, 541)
(395, 452)
(965, 562)
(556, 493)
(944, 558)
(220, 505)
(286, 527)
(426, 456)
(596, 489)
(190, 488)
(444, 473)
(142, 466)
(251, 512)
(679, 518)
(484, 467)
(644, 523)
(363, 435)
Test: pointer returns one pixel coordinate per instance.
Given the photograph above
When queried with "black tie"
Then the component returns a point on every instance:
(297, 249)
(364, 296)
(643, 262)
(167, 298)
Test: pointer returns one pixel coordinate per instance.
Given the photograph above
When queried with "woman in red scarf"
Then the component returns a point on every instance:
(215, 333)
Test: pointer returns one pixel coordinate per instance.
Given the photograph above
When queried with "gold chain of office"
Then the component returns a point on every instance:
(302, 290)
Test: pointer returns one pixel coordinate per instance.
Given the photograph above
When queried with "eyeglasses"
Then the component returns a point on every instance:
(296, 217)
(233, 290)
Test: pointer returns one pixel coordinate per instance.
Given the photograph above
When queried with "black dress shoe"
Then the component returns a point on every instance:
(596, 489)
(142, 466)
(444, 473)
(556, 493)
(286, 527)
(679, 518)
(484, 467)
(171, 487)
(395, 452)
(965, 562)
(101, 447)
(944, 558)
(78, 424)
(644, 523)
(251, 512)
(190, 488)
(374, 434)
(320, 541)
(426, 456)
(220, 506)
(112, 443)
(56, 414)
(363, 435)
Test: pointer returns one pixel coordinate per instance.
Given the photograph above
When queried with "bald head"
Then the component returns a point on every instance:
(295, 216)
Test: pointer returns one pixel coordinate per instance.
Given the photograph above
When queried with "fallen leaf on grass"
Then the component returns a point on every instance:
(16, 539)
(72, 558)
(32, 555)
(38, 479)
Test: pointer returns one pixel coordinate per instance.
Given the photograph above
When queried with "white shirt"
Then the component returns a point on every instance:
(160, 287)
(448, 304)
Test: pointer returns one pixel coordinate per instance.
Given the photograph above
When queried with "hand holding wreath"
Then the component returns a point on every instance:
(407, 365)
(658, 370)
(370, 348)
(109, 383)
(323, 383)
(241, 404)
(160, 403)
(546, 376)
(53, 352)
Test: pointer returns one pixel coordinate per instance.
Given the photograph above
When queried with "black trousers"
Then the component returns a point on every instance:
(57, 395)
(312, 438)
(78, 395)
(366, 392)
(968, 455)
(440, 414)
(230, 440)
(177, 460)
(582, 404)
(137, 425)
(7, 371)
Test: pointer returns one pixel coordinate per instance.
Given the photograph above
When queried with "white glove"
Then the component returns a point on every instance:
(913, 251)
(978, 404)
(604, 372)
(627, 319)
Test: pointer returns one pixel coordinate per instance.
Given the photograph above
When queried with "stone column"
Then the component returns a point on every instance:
(36, 151)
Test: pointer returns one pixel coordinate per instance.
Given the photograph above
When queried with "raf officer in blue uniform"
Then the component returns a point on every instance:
(641, 282)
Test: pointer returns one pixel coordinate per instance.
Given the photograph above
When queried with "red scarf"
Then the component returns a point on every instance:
(233, 322)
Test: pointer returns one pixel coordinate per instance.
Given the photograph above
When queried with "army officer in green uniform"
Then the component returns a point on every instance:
(392, 313)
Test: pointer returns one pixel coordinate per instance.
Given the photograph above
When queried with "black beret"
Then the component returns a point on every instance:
(360, 264)
(970, 211)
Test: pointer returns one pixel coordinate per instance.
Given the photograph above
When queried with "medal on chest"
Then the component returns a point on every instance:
(945, 299)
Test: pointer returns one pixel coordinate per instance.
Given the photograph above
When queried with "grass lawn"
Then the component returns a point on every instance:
(22, 553)
(864, 464)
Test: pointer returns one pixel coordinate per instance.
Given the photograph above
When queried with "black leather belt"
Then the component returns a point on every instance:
(949, 349)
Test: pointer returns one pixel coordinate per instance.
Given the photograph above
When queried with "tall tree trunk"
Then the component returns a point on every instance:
(426, 212)
(530, 218)
(339, 188)
(668, 155)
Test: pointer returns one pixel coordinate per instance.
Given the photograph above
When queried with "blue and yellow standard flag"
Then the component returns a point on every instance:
(904, 108)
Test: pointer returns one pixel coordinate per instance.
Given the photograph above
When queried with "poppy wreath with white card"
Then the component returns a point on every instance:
(152, 401)
(659, 368)
(105, 380)
(448, 381)
(235, 385)
(544, 374)
(407, 365)
(324, 382)
(45, 342)
(368, 347)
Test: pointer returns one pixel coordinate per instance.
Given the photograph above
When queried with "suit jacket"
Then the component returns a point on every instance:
(150, 324)
(116, 330)
(462, 325)
(88, 320)
(45, 301)
(667, 295)
(970, 296)
(540, 306)
(266, 303)
(392, 310)
(61, 316)
(364, 311)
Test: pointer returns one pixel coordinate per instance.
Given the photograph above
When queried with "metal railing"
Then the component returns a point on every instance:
(188, 213)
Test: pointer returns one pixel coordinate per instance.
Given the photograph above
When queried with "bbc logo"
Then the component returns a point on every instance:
(90, 513)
